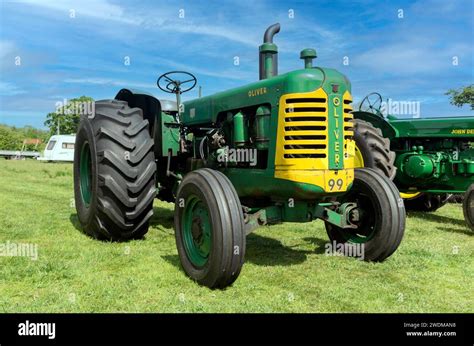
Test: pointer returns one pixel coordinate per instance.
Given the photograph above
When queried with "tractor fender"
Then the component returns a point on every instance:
(150, 105)
(152, 109)
(378, 121)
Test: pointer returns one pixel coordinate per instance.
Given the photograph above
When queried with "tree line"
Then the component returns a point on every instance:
(11, 137)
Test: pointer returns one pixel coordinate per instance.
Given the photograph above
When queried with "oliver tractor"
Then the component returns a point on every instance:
(428, 159)
(278, 150)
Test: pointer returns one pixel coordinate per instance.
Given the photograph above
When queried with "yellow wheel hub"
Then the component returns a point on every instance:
(358, 159)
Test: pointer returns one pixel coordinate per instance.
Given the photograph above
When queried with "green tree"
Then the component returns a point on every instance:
(9, 138)
(68, 116)
(462, 96)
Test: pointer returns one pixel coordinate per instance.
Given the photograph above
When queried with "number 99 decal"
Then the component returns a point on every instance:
(335, 185)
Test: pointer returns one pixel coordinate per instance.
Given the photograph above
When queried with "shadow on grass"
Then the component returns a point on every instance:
(443, 220)
(456, 230)
(320, 244)
(173, 260)
(266, 251)
(77, 225)
(162, 217)
(75, 222)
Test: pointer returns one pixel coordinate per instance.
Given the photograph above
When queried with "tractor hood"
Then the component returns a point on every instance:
(454, 127)
(205, 110)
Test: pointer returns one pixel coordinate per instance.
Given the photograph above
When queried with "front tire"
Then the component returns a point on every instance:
(114, 172)
(468, 207)
(209, 228)
(382, 217)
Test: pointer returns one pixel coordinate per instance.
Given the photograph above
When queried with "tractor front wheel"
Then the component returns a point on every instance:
(380, 218)
(468, 206)
(114, 172)
(209, 228)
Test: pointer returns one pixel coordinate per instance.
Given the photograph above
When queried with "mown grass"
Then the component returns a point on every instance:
(286, 268)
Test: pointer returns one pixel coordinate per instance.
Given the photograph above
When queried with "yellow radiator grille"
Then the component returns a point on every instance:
(302, 143)
(305, 128)
(302, 130)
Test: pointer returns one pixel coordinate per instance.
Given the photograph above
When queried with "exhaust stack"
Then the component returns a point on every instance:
(268, 56)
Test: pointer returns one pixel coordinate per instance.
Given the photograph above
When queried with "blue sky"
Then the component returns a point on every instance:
(73, 48)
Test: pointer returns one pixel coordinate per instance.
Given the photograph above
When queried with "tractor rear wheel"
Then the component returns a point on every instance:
(114, 172)
(468, 206)
(426, 202)
(381, 217)
(373, 149)
(209, 228)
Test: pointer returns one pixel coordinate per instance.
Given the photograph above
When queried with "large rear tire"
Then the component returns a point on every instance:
(209, 228)
(114, 172)
(382, 217)
(373, 149)
(468, 207)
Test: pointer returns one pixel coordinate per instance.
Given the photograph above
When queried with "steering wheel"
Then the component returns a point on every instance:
(371, 103)
(174, 86)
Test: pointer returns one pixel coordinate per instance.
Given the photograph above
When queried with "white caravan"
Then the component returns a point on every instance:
(59, 148)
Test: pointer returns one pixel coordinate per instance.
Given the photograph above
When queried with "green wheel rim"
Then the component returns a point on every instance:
(367, 222)
(359, 238)
(197, 231)
(85, 172)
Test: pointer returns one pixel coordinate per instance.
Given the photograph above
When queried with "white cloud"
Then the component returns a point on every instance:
(104, 10)
(236, 74)
(6, 48)
(91, 8)
(110, 82)
(210, 30)
(165, 19)
(409, 58)
(9, 89)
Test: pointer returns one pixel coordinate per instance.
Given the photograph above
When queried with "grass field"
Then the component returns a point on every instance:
(286, 268)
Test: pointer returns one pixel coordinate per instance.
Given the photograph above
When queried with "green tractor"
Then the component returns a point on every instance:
(428, 159)
(278, 150)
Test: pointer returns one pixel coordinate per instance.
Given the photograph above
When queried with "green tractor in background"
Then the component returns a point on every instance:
(428, 159)
(278, 150)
